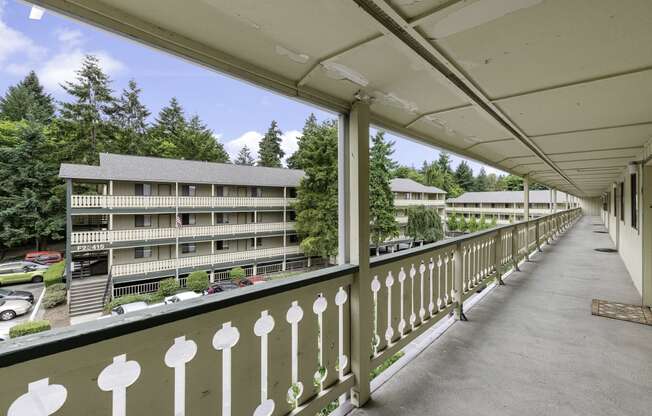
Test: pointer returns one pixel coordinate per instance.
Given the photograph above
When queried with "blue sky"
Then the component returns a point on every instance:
(238, 113)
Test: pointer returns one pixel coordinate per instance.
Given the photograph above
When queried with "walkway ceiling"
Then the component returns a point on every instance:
(558, 90)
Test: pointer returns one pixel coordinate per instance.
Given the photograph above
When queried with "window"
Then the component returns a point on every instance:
(188, 219)
(221, 245)
(256, 191)
(293, 193)
(259, 242)
(294, 238)
(143, 220)
(613, 195)
(188, 248)
(188, 190)
(143, 189)
(292, 215)
(634, 200)
(219, 190)
(622, 201)
(219, 218)
(142, 252)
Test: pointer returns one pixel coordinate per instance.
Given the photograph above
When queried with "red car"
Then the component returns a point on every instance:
(44, 257)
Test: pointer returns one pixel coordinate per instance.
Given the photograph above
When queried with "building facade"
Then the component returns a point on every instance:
(138, 218)
(507, 206)
(409, 193)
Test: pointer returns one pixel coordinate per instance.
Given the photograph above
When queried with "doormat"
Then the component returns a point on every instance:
(622, 311)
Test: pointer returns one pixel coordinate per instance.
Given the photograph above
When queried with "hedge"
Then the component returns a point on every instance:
(197, 281)
(27, 328)
(168, 287)
(123, 300)
(54, 295)
(54, 273)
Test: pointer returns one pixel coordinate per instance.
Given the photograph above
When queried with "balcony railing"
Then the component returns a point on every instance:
(152, 234)
(147, 267)
(497, 210)
(417, 202)
(143, 202)
(292, 345)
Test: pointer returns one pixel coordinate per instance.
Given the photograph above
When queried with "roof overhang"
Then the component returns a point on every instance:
(555, 90)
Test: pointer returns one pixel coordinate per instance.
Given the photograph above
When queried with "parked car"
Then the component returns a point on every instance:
(181, 296)
(251, 280)
(129, 307)
(221, 287)
(8, 294)
(9, 309)
(44, 257)
(21, 272)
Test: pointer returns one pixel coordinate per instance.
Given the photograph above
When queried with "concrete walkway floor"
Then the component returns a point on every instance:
(532, 347)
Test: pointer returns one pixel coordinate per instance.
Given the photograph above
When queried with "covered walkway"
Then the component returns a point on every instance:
(532, 347)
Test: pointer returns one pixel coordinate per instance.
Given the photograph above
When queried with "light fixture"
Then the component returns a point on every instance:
(36, 13)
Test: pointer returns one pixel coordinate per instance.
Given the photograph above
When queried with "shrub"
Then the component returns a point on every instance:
(54, 295)
(237, 273)
(123, 300)
(27, 328)
(168, 287)
(54, 274)
(197, 281)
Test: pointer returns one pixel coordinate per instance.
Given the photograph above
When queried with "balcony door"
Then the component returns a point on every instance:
(164, 189)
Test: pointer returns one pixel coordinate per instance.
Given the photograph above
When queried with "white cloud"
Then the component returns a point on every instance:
(69, 37)
(250, 139)
(15, 45)
(62, 66)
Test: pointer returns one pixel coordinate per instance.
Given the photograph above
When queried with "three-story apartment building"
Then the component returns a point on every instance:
(506, 206)
(138, 218)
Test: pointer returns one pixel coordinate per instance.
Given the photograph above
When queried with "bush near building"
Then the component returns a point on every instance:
(55, 294)
(168, 287)
(27, 328)
(197, 281)
(237, 273)
(54, 274)
(123, 300)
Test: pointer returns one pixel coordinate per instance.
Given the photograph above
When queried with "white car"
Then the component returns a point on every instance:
(181, 296)
(128, 307)
(11, 308)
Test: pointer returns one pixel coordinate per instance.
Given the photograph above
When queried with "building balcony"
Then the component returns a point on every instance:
(296, 345)
(416, 202)
(100, 240)
(122, 202)
(496, 210)
(186, 264)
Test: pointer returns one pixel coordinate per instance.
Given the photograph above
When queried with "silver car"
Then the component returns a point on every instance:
(11, 308)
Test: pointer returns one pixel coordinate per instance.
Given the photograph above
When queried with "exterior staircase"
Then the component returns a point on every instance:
(87, 296)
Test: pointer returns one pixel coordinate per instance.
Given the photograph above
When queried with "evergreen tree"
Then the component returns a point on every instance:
(444, 163)
(309, 128)
(32, 199)
(199, 143)
(316, 204)
(472, 225)
(166, 134)
(452, 224)
(84, 120)
(129, 118)
(464, 176)
(492, 182)
(424, 225)
(269, 148)
(27, 101)
(381, 199)
(481, 182)
(244, 157)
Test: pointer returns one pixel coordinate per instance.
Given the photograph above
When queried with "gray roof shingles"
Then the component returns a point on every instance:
(542, 197)
(408, 185)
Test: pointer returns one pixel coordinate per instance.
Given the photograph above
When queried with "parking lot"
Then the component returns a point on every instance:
(36, 289)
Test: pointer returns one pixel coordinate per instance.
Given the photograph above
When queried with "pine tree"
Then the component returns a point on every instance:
(244, 157)
(316, 204)
(464, 176)
(27, 101)
(168, 129)
(85, 119)
(381, 199)
(269, 148)
(199, 143)
(32, 199)
(481, 182)
(444, 162)
(129, 118)
(308, 129)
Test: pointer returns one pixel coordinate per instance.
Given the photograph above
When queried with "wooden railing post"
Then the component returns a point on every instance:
(537, 234)
(515, 247)
(498, 257)
(458, 283)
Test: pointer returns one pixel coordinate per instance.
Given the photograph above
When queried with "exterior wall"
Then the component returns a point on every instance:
(591, 206)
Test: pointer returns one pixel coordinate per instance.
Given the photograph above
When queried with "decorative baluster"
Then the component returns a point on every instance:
(389, 282)
(177, 356)
(340, 300)
(375, 287)
(116, 377)
(223, 340)
(263, 326)
(431, 303)
(41, 399)
(413, 316)
(422, 309)
(401, 281)
(293, 317)
(318, 307)
(447, 275)
(440, 298)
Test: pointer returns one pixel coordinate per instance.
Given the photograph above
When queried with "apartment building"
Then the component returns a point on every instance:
(409, 193)
(507, 206)
(138, 218)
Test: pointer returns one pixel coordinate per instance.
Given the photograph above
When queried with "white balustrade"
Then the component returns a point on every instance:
(417, 202)
(144, 202)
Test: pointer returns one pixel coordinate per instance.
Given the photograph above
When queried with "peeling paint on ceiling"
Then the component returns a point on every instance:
(300, 58)
(341, 72)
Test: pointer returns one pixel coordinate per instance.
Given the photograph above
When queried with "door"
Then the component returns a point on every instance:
(165, 189)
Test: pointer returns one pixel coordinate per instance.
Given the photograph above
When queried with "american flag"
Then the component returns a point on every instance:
(179, 224)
